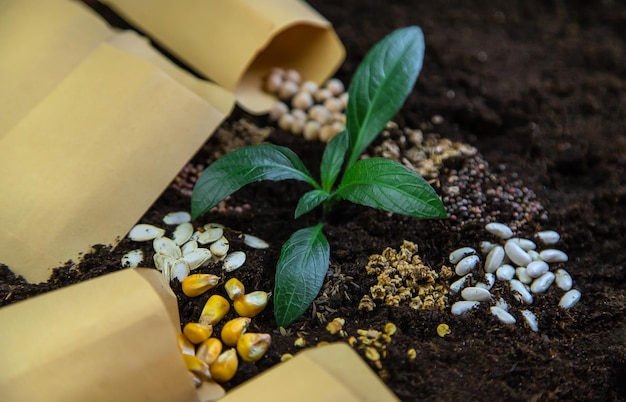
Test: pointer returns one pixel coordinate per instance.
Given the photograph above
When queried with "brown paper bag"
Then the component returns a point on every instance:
(112, 338)
(92, 133)
(236, 42)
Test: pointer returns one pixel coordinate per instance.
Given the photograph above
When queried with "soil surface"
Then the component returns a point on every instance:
(538, 88)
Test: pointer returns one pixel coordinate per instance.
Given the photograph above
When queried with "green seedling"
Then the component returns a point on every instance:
(380, 86)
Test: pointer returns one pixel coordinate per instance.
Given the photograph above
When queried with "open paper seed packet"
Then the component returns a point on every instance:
(83, 102)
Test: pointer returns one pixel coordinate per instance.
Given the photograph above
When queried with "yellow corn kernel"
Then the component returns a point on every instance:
(197, 366)
(225, 366)
(443, 330)
(184, 346)
(251, 346)
(233, 329)
(372, 354)
(335, 325)
(197, 333)
(209, 350)
(286, 356)
(214, 310)
(196, 284)
(234, 288)
(251, 304)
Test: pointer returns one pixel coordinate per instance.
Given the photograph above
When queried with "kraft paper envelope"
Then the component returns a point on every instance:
(93, 153)
(333, 373)
(107, 339)
(236, 42)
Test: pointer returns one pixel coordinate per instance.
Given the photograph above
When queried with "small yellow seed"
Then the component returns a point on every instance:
(234, 288)
(311, 130)
(251, 304)
(196, 284)
(390, 328)
(251, 346)
(286, 356)
(326, 133)
(233, 329)
(197, 366)
(209, 350)
(412, 354)
(443, 330)
(322, 343)
(335, 325)
(197, 333)
(225, 366)
(372, 354)
(185, 347)
(300, 342)
(214, 310)
(352, 341)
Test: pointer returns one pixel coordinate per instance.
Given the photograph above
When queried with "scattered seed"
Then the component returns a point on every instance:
(182, 233)
(531, 320)
(176, 218)
(293, 76)
(525, 244)
(504, 316)
(466, 265)
(132, 259)
(459, 284)
(309, 86)
(254, 242)
(278, 110)
(165, 245)
(520, 292)
(463, 306)
(534, 255)
(486, 247)
(490, 280)
(537, 268)
(220, 247)
(234, 261)
(302, 100)
(499, 229)
(163, 263)
(475, 294)
(549, 236)
(335, 86)
(209, 235)
(553, 255)
(460, 253)
(542, 283)
(145, 232)
(197, 257)
(189, 247)
(494, 260)
(443, 330)
(569, 299)
(517, 254)
(522, 275)
(505, 273)
(563, 279)
(180, 270)
(287, 90)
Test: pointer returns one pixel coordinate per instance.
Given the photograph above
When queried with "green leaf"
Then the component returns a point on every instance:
(332, 160)
(387, 185)
(300, 273)
(309, 201)
(380, 85)
(244, 166)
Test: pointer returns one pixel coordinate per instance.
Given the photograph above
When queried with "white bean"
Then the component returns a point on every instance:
(520, 292)
(531, 320)
(460, 253)
(553, 255)
(499, 229)
(522, 275)
(537, 268)
(534, 255)
(459, 284)
(570, 298)
(463, 306)
(549, 236)
(563, 279)
(494, 260)
(486, 247)
(474, 293)
(505, 272)
(504, 316)
(542, 283)
(466, 265)
(525, 244)
(517, 254)
(490, 280)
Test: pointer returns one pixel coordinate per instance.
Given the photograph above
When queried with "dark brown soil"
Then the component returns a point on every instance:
(538, 88)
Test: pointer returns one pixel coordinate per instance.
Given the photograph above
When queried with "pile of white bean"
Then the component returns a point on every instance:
(516, 262)
(315, 112)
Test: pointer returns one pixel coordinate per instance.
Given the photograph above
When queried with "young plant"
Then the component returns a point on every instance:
(379, 87)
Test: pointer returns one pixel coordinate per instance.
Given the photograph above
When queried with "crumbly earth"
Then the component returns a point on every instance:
(538, 88)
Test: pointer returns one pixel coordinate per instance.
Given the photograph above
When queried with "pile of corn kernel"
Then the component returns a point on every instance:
(404, 279)
(316, 113)
(205, 356)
